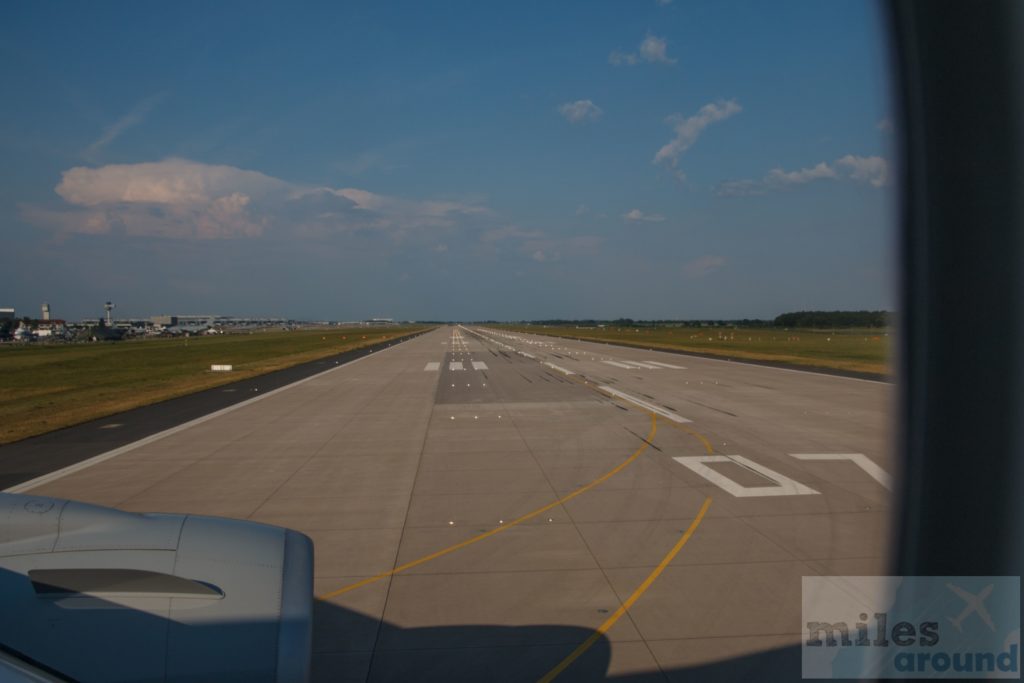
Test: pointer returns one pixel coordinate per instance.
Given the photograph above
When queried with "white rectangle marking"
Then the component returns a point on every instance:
(479, 365)
(666, 365)
(784, 485)
(221, 368)
(431, 367)
(560, 369)
(638, 364)
(645, 405)
(618, 365)
(862, 461)
(456, 365)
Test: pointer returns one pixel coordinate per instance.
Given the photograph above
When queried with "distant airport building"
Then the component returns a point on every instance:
(164, 320)
(379, 321)
(6, 314)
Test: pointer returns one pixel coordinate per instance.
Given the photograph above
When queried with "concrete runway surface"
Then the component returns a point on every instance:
(496, 506)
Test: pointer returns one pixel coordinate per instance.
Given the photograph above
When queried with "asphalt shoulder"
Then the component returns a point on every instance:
(38, 455)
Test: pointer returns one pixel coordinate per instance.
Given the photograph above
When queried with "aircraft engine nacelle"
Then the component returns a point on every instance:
(102, 595)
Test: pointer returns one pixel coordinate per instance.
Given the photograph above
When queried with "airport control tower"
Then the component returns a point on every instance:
(46, 311)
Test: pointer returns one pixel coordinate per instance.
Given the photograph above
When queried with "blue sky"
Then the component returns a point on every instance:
(457, 160)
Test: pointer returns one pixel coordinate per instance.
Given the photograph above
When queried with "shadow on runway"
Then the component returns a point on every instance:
(91, 639)
(499, 653)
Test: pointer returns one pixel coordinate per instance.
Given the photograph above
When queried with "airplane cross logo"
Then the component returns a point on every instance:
(975, 603)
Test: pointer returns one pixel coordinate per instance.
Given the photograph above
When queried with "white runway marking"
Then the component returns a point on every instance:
(666, 365)
(645, 366)
(618, 365)
(560, 369)
(479, 365)
(432, 366)
(784, 486)
(644, 404)
(456, 365)
(862, 461)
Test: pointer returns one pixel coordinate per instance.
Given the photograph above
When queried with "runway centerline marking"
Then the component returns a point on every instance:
(455, 365)
(631, 600)
(560, 369)
(515, 522)
(650, 407)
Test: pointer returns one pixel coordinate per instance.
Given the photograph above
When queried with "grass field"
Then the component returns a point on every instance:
(856, 350)
(45, 387)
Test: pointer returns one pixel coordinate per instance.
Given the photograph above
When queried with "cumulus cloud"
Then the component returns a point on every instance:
(178, 198)
(872, 170)
(652, 49)
(638, 215)
(688, 129)
(804, 175)
(705, 265)
(134, 117)
(580, 111)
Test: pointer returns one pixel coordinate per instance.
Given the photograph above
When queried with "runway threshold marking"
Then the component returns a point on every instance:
(631, 600)
(515, 522)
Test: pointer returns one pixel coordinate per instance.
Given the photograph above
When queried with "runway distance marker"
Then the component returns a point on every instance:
(505, 525)
(631, 600)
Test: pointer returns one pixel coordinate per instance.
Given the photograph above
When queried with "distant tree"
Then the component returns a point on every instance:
(833, 319)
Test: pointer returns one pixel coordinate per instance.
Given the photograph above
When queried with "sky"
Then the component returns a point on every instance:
(651, 159)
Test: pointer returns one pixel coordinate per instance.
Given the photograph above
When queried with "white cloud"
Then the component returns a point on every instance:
(885, 125)
(177, 198)
(652, 49)
(688, 129)
(134, 117)
(804, 175)
(703, 266)
(580, 111)
(172, 181)
(874, 170)
(638, 215)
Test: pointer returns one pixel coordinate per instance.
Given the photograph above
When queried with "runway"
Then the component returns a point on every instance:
(497, 506)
